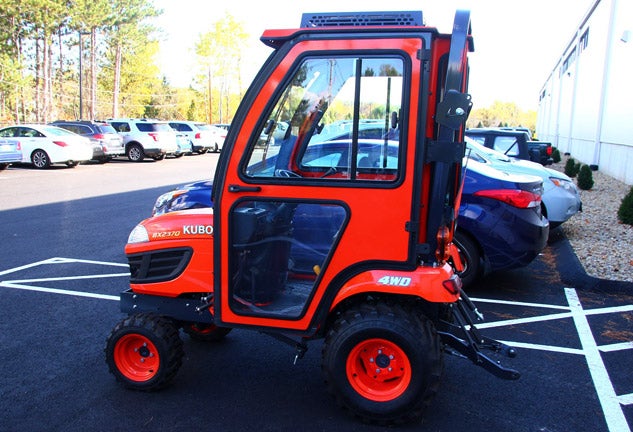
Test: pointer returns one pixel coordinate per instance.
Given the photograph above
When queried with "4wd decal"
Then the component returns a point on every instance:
(395, 280)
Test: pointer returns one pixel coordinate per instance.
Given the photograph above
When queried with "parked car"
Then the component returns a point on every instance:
(500, 225)
(184, 145)
(561, 198)
(107, 143)
(146, 138)
(514, 143)
(203, 137)
(43, 145)
(10, 152)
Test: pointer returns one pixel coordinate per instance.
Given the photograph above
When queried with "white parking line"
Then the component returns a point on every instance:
(21, 283)
(610, 402)
(616, 421)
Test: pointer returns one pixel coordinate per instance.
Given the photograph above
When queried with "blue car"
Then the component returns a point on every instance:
(10, 152)
(500, 225)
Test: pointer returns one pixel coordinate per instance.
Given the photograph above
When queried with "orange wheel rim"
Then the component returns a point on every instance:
(378, 370)
(136, 357)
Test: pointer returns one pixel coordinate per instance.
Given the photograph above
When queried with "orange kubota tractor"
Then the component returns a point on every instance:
(334, 206)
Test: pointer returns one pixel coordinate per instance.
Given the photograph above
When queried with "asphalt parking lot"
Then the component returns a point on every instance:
(63, 266)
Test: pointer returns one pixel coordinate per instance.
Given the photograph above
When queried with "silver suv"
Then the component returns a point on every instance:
(107, 143)
(146, 138)
(203, 137)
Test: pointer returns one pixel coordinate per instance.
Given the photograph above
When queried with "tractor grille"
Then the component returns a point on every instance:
(336, 19)
(158, 266)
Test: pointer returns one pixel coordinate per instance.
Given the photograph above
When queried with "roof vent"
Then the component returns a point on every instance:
(337, 19)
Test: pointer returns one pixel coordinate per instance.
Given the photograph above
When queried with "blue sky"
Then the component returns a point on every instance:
(517, 43)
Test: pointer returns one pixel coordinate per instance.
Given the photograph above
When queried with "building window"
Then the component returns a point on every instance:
(584, 40)
(569, 60)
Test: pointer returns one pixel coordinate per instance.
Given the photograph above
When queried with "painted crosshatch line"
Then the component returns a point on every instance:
(611, 402)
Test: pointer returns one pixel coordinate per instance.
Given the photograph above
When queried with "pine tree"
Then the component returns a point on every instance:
(570, 167)
(625, 212)
(585, 178)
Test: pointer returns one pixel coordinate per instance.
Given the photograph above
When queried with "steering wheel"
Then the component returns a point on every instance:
(280, 172)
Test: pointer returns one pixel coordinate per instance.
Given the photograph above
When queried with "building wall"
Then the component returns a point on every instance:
(586, 104)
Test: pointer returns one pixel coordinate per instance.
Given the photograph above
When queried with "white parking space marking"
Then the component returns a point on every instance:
(616, 421)
(31, 284)
(610, 402)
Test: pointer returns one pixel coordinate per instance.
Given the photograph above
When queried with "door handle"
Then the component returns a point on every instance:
(239, 188)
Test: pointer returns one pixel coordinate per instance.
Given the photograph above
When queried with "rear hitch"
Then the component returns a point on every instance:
(464, 340)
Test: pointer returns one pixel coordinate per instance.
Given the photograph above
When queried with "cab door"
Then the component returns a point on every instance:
(311, 188)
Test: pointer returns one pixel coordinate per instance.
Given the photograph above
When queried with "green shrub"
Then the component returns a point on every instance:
(625, 212)
(585, 178)
(572, 167)
(556, 155)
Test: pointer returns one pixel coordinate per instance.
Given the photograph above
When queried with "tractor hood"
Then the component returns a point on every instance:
(179, 225)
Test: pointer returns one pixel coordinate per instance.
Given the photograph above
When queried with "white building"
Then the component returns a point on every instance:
(586, 104)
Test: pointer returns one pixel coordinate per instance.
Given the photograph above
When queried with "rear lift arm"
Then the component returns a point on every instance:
(459, 333)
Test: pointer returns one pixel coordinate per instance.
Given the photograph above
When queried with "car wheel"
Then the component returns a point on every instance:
(159, 157)
(135, 153)
(202, 151)
(40, 159)
(383, 362)
(72, 164)
(470, 256)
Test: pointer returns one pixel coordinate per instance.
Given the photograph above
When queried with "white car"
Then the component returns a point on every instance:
(203, 137)
(43, 145)
(561, 198)
(146, 138)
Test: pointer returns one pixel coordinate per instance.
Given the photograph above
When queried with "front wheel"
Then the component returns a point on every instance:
(383, 363)
(144, 351)
(135, 153)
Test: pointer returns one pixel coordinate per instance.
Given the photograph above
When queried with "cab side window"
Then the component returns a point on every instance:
(336, 120)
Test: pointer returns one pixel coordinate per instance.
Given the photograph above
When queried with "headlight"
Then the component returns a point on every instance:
(565, 184)
(138, 235)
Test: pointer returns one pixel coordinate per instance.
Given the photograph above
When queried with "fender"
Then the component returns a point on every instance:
(422, 283)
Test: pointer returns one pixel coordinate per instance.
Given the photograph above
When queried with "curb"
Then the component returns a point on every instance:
(573, 273)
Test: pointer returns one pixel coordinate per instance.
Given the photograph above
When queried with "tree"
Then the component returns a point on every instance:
(625, 211)
(585, 178)
(219, 51)
(502, 114)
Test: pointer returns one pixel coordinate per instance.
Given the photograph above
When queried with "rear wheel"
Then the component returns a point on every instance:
(144, 352)
(40, 159)
(471, 258)
(383, 363)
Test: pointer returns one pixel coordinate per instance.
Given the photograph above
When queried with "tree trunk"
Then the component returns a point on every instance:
(116, 88)
(93, 73)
